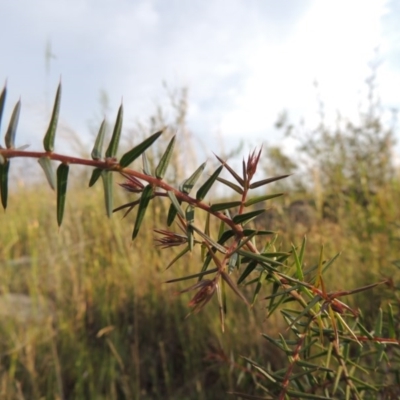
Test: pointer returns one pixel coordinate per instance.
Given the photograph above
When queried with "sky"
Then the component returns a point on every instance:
(243, 61)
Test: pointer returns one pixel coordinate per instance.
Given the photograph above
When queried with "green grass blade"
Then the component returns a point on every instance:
(95, 176)
(187, 186)
(266, 181)
(3, 96)
(107, 177)
(98, 144)
(259, 199)
(203, 190)
(138, 150)
(62, 180)
(45, 163)
(4, 168)
(114, 142)
(165, 159)
(247, 217)
(144, 202)
(12, 127)
(48, 141)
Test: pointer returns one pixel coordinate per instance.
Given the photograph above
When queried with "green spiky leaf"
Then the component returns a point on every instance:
(233, 186)
(45, 163)
(107, 177)
(48, 141)
(177, 206)
(266, 181)
(62, 181)
(3, 96)
(187, 186)
(231, 170)
(114, 142)
(147, 194)
(138, 150)
(97, 152)
(260, 199)
(12, 127)
(247, 217)
(95, 176)
(224, 206)
(165, 159)
(203, 190)
(4, 168)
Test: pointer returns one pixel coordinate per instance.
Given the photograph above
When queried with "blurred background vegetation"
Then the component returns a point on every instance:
(85, 313)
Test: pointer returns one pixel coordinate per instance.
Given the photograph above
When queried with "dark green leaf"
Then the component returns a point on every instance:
(171, 214)
(4, 168)
(45, 163)
(261, 279)
(114, 142)
(188, 184)
(244, 218)
(236, 188)
(147, 194)
(259, 199)
(97, 152)
(138, 150)
(107, 177)
(248, 232)
(62, 180)
(249, 269)
(3, 96)
(233, 260)
(181, 254)
(224, 206)
(203, 190)
(48, 141)
(260, 258)
(12, 127)
(266, 181)
(165, 159)
(95, 176)
(231, 170)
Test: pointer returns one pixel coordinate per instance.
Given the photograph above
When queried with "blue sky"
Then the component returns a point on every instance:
(243, 61)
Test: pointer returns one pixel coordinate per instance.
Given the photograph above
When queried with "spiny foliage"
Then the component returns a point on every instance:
(330, 352)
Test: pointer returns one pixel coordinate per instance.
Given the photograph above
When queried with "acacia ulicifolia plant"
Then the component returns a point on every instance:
(330, 352)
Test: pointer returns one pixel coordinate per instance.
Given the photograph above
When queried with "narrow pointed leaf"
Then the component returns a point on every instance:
(97, 152)
(198, 275)
(236, 188)
(48, 141)
(95, 176)
(144, 202)
(244, 218)
(114, 142)
(172, 212)
(107, 177)
(62, 180)
(45, 163)
(181, 254)
(203, 190)
(266, 181)
(224, 206)
(231, 170)
(176, 204)
(12, 127)
(146, 164)
(3, 96)
(249, 269)
(299, 266)
(378, 323)
(4, 168)
(209, 240)
(233, 262)
(187, 186)
(391, 322)
(260, 258)
(232, 285)
(259, 199)
(165, 159)
(138, 150)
